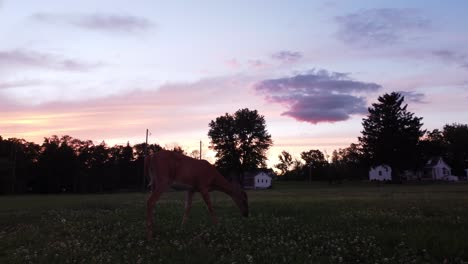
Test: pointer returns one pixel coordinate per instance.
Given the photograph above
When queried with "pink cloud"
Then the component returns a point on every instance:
(172, 112)
(233, 63)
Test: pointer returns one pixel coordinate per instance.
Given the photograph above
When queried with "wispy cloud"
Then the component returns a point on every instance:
(380, 27)
(451, 56)
(233, 63)
(318, 95)
(17, 84)
(287, 56)
(100, 22)
(27, 58)
(414, 97)
(257, 64)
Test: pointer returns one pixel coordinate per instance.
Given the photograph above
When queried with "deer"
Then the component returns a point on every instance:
(169, 169)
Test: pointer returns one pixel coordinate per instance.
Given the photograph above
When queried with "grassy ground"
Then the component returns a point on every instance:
(292, 223)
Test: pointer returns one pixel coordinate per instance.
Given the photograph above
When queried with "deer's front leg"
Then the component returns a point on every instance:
(206, 196)
(149, 213)
(188, 205)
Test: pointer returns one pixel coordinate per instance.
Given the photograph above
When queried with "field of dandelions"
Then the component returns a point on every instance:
(291, 223)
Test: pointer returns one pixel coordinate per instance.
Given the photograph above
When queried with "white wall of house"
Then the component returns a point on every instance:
(262, 180)
(380, 173)
(441, 171)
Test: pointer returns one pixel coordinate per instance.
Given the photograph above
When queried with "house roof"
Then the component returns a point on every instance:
(434, 161)
(381, 165)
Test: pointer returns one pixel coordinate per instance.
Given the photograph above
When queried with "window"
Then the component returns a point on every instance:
(380, 173)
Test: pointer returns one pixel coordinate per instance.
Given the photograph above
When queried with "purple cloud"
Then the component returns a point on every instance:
(287, 56)
(377, 27)
(317, 96)
(452, 57)
(38, 59)
(413, 96)
(101, 22)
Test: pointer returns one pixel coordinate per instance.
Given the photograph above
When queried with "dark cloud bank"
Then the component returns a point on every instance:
(318, 95)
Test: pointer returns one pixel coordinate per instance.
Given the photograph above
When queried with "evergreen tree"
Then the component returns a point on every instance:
(391, 134)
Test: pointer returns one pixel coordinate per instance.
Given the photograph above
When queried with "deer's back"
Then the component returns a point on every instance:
(179, 169)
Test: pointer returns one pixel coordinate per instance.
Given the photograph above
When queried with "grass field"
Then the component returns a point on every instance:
(292, 223)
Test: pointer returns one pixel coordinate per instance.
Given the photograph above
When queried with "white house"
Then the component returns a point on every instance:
(380, 173)
(437, 169)
(262, 181)
(258, 179)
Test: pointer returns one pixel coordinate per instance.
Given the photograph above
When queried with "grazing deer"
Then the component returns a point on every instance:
(167, 169)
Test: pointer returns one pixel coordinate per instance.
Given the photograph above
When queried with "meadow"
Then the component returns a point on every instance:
(291, 223)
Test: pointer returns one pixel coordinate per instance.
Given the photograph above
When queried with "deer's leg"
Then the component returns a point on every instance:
(188, 205)
(154, 197)
(206, 197)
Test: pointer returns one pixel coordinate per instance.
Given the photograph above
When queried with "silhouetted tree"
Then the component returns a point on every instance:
(240, 140)
(286, 162)
(432, 145)
(456, 139)
(391, 134)
(349, 163)
(315, 164)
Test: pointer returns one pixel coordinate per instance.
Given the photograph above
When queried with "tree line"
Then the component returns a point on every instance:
(67, 164)
(391, 135)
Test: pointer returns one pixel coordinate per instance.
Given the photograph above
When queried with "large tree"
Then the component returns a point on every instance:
(240, 140)
(391, 133)
(456, 138)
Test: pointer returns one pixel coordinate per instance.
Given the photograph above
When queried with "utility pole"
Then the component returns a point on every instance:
(146, 144)
(144, 158)
(200, 149)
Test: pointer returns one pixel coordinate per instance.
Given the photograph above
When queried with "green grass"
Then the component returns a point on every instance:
(292, 223)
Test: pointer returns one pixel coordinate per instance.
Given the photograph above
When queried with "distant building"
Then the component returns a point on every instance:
(258, 179)
(380, 173)
(437, 169)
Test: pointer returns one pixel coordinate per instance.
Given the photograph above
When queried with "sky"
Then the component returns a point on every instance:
(109, 70)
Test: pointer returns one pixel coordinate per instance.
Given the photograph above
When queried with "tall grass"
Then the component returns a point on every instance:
(292, 223)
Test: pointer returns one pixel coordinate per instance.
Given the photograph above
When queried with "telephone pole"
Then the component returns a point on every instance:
(200, 149)
(144, 158)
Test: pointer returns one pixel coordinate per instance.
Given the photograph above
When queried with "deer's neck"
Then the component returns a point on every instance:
(221, 184)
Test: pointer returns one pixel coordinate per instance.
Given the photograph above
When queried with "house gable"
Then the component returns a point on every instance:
(437, 169)
(380, 173)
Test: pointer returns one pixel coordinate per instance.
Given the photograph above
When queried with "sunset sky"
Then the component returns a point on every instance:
(108, 70)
